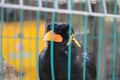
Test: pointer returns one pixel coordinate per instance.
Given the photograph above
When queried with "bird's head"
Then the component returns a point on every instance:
(60, 33)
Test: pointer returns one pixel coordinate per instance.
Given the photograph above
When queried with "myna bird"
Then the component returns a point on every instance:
(61, 42)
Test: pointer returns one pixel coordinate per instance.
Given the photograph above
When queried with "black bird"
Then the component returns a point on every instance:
(61, 42)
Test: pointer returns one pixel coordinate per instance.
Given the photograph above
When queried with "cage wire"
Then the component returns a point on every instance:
(96, 25)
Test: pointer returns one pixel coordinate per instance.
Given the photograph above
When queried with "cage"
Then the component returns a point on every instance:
(23, 24)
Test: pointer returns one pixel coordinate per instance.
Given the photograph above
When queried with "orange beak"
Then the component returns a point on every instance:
(51, 36)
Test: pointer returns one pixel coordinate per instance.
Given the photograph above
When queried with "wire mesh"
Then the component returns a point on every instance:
(65, 11)
(87, 18)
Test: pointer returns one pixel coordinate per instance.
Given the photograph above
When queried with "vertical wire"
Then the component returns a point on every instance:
(100, 44)
(69, 47)
(8, 36)
(70, 6)
(89, 6)
(40, 3)
(37, 36)
(30, 52)
(21, 42)
(114, 41)
(104, 7)
(52, 49)
(85, 42)
(105, 72)
(1, 54)
(52, 46)
(105, 67)
(14, 34)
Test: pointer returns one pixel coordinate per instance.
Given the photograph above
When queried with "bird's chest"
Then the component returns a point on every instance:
(61, 62)
(61, 59)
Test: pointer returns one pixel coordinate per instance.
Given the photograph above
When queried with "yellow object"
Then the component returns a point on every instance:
(70, 40)
(74, 39)
(13, 46)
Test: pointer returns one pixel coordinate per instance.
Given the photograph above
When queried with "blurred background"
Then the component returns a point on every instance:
(21, 33)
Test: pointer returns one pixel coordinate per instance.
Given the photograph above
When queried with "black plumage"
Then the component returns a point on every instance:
(61, 58)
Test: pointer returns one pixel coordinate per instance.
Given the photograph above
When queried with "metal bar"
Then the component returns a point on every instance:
(115, 43)
(64, 11)
(21, 2)
(37, 37)
(85, 39)
(21, 37)
(40, 3)
(52, 45)
(100, 44)
(104, 7)
(69, 5)
(52, 50)
(69, 48)
(56, 4)
(1, 50)
(89, 6)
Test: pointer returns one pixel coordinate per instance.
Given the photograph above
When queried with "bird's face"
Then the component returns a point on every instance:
(59, 34)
